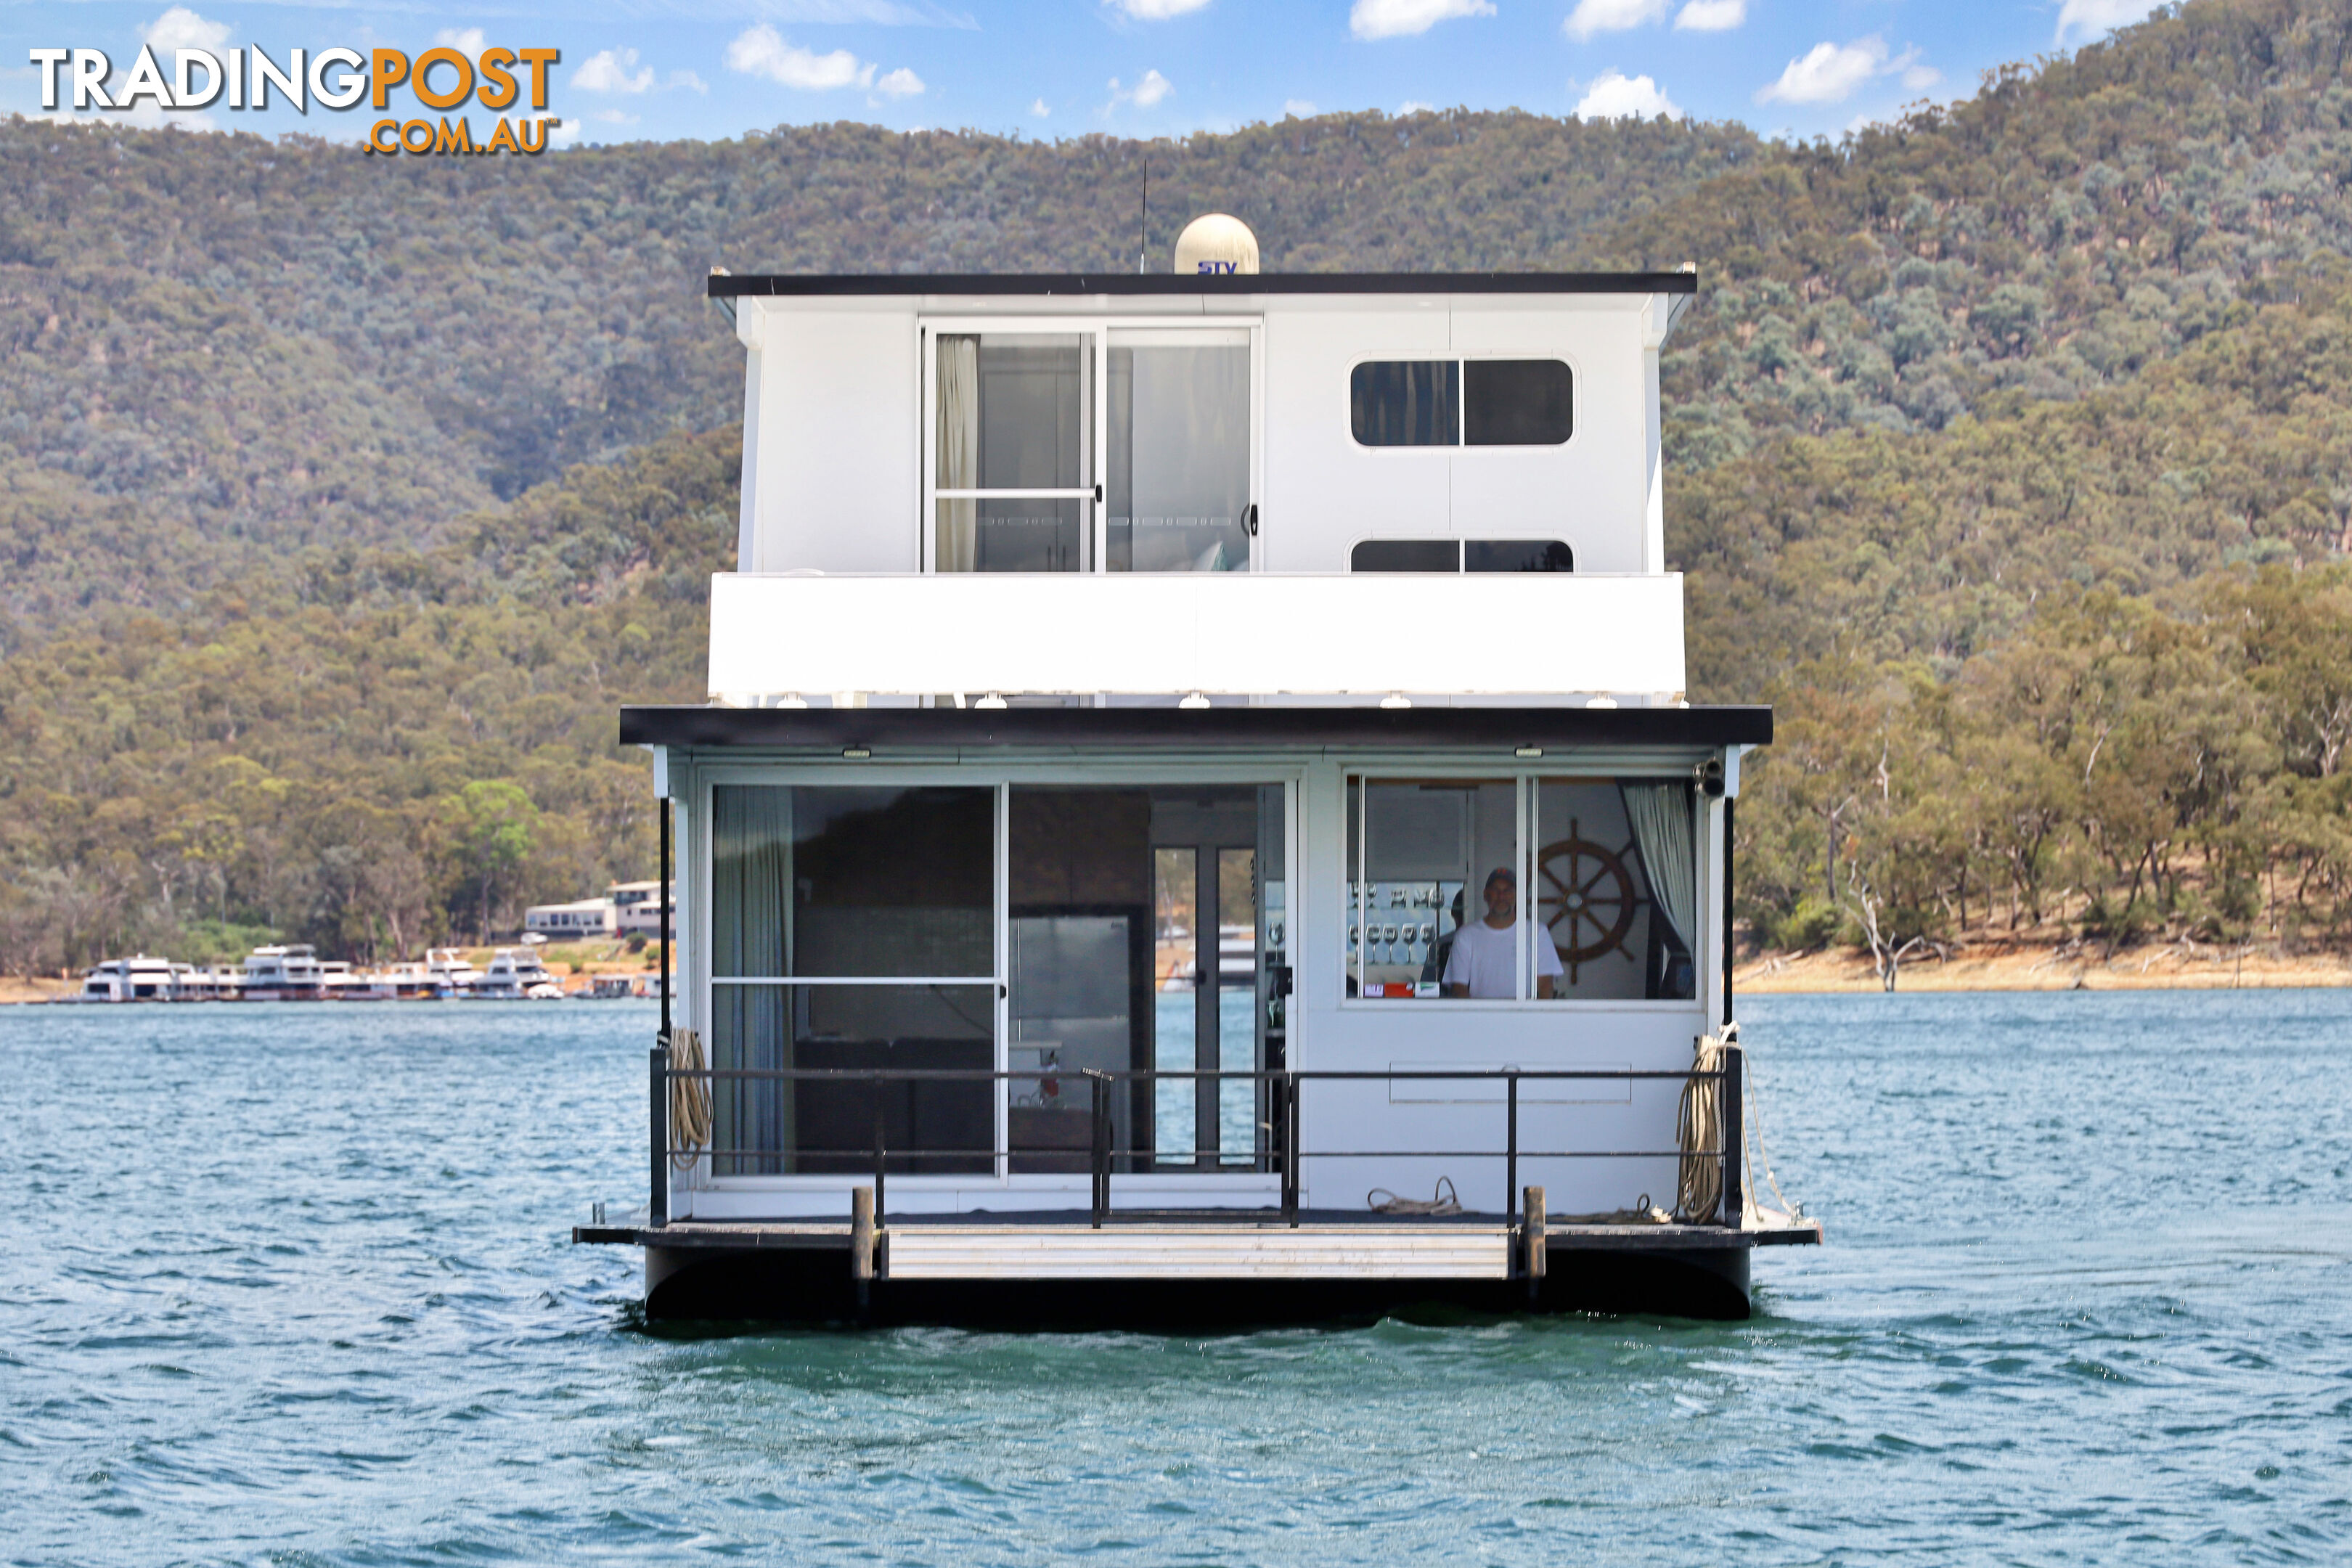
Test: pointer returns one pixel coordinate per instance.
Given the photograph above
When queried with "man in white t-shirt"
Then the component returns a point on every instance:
(1485, 962)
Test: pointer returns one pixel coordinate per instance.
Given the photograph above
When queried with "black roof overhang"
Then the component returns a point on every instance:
(885, 730)
(726, 286)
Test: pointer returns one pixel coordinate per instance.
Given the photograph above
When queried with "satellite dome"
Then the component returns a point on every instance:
(1215, 243)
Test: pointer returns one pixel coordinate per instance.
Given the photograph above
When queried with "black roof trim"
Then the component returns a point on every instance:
(1176, 729)
(724, 285)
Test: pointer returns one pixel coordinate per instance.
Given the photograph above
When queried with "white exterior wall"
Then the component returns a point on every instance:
(832, 455)
(832, 452)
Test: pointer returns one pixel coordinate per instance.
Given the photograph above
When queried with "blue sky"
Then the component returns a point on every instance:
(713, 69)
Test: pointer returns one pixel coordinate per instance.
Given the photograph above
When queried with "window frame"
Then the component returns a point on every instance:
(1462, 443)
(1529, 782)
(1099, 326)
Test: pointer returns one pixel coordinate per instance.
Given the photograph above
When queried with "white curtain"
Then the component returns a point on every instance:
(956, 547)
(751, 877)
(1663, 826)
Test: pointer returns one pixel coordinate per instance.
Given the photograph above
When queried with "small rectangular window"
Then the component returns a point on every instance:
(1406, 555)
(1515, 403)
(1516, 555)
(1406, 403)
(1462, 555)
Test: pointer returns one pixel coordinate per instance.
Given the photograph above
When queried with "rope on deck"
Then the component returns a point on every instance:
(689, 1101)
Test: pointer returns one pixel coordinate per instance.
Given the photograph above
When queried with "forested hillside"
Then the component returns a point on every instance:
(342, 501)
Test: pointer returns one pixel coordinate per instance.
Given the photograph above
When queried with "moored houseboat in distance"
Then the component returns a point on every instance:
(284, 973)
(138, 978)
(1197, 814)
(451, 972)
(516, 974)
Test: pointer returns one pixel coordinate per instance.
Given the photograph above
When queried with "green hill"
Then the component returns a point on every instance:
(341, 506)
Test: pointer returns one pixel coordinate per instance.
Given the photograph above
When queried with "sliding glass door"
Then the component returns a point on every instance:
(1179, 479)
(1113, 447)
(878, 950)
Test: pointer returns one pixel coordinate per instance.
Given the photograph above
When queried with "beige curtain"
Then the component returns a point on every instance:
(956, 549)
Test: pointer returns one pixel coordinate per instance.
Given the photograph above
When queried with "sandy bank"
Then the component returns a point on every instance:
(2040, 968)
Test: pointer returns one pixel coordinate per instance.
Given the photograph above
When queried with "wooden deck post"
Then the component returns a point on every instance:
(1536, 1255)
(861, 1242)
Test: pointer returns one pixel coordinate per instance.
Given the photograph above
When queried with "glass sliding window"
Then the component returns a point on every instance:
(1462, 403)
(1138, 922)
(1426, 860)
(1451, 555)
(1406, 403)
(1515, 403)
(1516, 555)
(852, 928)
(1616, 885)
(1178, 478)
(1013, 462)
(1606, 908)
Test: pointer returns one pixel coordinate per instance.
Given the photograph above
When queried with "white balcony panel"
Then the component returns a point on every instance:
(1483, 635)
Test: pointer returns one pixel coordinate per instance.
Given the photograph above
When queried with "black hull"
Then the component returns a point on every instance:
(811, 1287)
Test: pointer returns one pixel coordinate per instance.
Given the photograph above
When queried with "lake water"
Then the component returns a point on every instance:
(291, 1286)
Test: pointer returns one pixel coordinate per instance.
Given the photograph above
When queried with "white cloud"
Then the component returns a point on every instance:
(615, 117)
(563, 135)
(1297, 109)
(1592, 16)
(1616, 95)
(612, 70)
(181, 28)
(467, 41)
(1919, 79)
(1415, 106)
(687, 80)
(1040, 110)
(761, 50)
(2084, 19)
(1711, 15)
(899, 83)
(1402, 18)
(1828, 72)
(1155, 10)
(1148, 91)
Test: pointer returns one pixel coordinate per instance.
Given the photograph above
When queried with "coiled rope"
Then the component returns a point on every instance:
(1698, 1194)
(1442, 1200)
(689, 1100)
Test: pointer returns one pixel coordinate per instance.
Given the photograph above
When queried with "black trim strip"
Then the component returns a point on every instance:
(1174, 729)
(728, 286)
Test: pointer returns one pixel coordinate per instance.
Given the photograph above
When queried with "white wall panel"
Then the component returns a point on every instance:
(1323, 492)
(1591, 491)
(839, 469)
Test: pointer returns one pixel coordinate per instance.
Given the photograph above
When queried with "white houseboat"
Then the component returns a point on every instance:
(138, 978)
(515, 974)
(1198, 814)
(284, 974)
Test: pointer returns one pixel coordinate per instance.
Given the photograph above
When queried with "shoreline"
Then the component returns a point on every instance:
(2073, 966)
(2022, 966)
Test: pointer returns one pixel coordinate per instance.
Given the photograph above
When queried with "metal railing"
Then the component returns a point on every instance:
(1281, 1097)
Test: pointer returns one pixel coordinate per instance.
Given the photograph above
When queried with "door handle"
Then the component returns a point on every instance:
(1249, 520)
(1098, 495)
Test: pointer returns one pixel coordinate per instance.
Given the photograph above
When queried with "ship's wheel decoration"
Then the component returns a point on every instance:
(1586, 897)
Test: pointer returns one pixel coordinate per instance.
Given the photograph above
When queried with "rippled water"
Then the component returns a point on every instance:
(292, 1286)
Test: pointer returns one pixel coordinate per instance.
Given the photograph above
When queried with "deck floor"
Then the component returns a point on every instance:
(1323, 1245)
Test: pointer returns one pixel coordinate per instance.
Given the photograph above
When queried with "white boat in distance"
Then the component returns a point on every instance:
(135, 979)
(288, 974)
(516, 974)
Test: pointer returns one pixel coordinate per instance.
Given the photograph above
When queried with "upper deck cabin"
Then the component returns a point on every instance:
(1193, 743)
(1166, 471)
